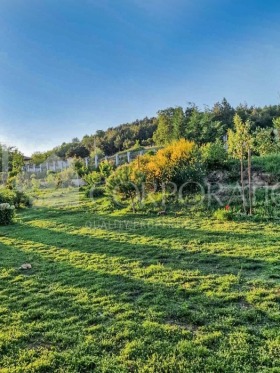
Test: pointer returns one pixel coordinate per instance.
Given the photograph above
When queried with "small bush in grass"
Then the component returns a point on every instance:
(7, 213)
(95, 192)
(223, 214)
(15, 198)
(22, 199)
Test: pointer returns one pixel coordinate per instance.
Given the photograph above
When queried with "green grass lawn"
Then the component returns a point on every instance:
(123, 293)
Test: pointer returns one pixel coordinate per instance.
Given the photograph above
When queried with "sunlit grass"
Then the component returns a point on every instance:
(123, 293)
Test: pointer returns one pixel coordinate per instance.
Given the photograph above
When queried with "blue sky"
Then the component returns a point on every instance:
(71, 67)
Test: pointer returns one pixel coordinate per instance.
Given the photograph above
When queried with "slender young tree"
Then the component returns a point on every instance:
(239, 146)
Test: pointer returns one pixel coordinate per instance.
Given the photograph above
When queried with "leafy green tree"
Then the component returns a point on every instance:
(240, 144)
(276, 124)
(171, 126)
(17, 162)
(98, 152)
(223, 112)
(118, 142)
(78, 151)
(63, 150)
(202, 128)
(40, 157)
(178, 124)
(164, 130)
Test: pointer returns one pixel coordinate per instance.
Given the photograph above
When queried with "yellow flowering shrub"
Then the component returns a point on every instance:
(168, 162)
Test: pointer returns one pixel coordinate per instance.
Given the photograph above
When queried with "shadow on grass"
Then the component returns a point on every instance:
(169, 302)
(159, 227)
(68, 294)
(147, 254)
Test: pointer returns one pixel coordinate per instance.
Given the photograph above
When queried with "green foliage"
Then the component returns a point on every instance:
(17, 162)
(78, 151)
(170, 126)
(214, 155)
(192, 123)
(7, 196)
(276, 123)
(15, 198)
(7, 213)
(223, 214)
(40, 157)
(63, 179)
(95, 191)
(93, 178)
(11, 160)
(265, 142)
(126, 182)
(202, 127)
(22, 199)
(80, 167)
(106, 169)
(268, 164)
(121, 137)
(63, 150)
(240, 140)
(97, 151)
(137, 146)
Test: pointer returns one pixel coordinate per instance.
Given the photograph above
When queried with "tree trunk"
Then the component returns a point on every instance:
(250, 181)
(242, 184)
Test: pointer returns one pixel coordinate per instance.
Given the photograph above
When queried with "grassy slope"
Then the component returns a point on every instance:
(163, 295)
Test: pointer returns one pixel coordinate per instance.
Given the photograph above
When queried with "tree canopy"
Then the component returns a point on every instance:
(192, 123)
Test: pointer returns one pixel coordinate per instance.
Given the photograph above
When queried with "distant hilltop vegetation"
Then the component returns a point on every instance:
(192, 123)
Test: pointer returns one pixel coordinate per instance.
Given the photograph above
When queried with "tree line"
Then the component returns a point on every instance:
(192, 123)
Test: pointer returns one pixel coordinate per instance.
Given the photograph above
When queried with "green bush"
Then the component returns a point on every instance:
(22, 199)
(95, 192)
(233, 168)
(265, 142)
(7, 213)
(223, 214)
(268, 163)
(15, 198)
(93, 178)
(214, 155)
(7, 196)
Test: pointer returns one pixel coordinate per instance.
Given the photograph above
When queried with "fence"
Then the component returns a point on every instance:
(60, 165)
